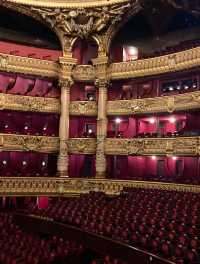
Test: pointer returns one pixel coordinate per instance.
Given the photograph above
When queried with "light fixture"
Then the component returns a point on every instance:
(4, 162)
(186, 87)
(117, 120)
(153, 157)
(172, 119)
(178, 87)
(24, 162)
(174, 158)
(133, 50)
(152, 120)
(44, 128)
(90, 131)
(26, 127)
(171, 88)
(43, 163)
(6, 126)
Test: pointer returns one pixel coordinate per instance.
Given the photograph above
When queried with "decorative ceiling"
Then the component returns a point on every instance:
(67, 3)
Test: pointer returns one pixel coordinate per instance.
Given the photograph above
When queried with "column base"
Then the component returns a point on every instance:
(100, 175)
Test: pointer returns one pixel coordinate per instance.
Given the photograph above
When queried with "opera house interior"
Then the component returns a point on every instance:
(99, 132)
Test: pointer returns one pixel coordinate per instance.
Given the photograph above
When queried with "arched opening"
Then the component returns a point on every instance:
(24, 36)
(85, 50)
(155, 31)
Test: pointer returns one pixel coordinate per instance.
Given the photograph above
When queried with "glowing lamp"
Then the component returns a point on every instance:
(117, 120)
(152, 120)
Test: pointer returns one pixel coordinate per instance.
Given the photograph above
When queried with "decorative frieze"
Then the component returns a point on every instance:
(11, 142)
(82, 145)
(45, 186)
(29, 103)
(83, 73)
(86, 108)
(169, 104)
(153, 146)
(163, 64)
(36, 67)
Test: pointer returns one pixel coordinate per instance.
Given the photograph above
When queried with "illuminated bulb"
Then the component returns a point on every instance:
(178, 87)
(172, 119)
(6, 126)
(171, 88)
(26, 127)
(4, 162)
(174, 158)
(152, 120)
(118, 120)
(44, 128)
(153, 157)
(186, 87)
(133, 51)
(43, 163)
(24, 162)
(90, 131)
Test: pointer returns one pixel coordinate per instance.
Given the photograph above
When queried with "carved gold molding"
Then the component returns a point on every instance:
(169, 63)
(29, 103)
(169, 104)
(12, 142)
(82, 145)
(86, 108)
(37, 67)
(23, 186)
(83, 73)
(153, 146)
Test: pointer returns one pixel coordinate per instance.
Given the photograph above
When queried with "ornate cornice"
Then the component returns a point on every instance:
(86, 108)
(82, 145)
(83, 73)
(11, 142)
(18, 64)
(68, 3)
(169, 104)
(153, 146)
(45, 186)
(29, 103)
(158, 65)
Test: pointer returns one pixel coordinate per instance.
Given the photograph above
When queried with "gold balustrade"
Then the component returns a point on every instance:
(45, 186)
(86, 108)
(12, 142)
(82, 145)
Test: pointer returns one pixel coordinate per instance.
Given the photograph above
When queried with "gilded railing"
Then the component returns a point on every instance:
(29, 103)
(23, 186)
(82, 145)
(11, 142)
(169, 63)
(169, 104)
(153, 146)
(123, 70)
(86, 108)
(38, 67)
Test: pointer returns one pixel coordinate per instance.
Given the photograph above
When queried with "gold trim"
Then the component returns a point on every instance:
(82, 145)
(83, 73)
(12, 142)
(68, 3)
(45, 186)
(29, 103)
(186, 146)
(168, 104)
(86, 108)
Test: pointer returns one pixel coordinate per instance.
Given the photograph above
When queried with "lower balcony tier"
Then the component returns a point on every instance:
(26, 186)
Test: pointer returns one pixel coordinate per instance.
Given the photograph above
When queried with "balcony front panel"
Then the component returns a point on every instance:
(29, 103)
(83, 108)
(11, 142)
(83, 73)
(169, 104)
(11, 63)
(82, 145)
(56, 186)
(158, 65)
(188, 146)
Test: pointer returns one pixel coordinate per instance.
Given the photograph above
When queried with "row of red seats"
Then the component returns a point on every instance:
(163, 222)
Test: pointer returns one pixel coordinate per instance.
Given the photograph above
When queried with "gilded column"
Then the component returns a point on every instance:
(102, 83)
(65, 82)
